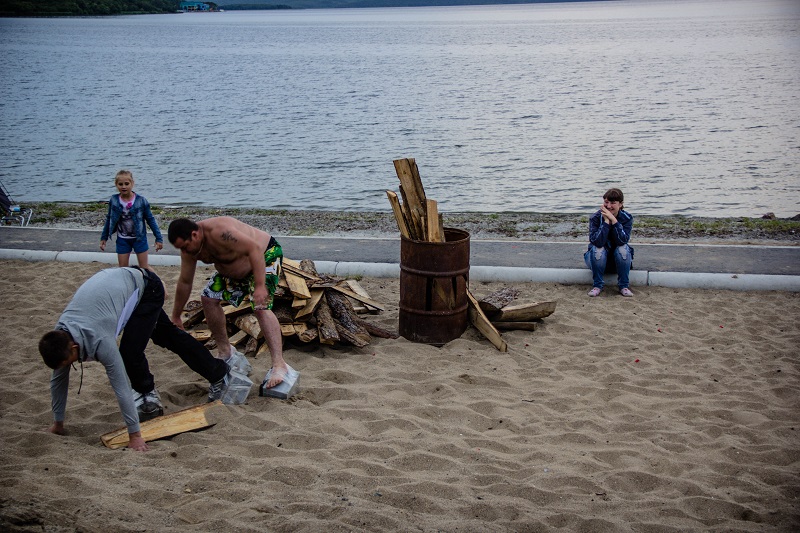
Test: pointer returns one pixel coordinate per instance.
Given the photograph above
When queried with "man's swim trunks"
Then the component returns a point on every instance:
(236, 291)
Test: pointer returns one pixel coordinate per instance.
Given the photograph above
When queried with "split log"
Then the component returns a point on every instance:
(483, 325)
(308, 335)
(195, 316)
(356, 339)
(377, 331)
(249, 323)
(435, 232)
(325, 323)
(492, 303)
(402, 225)
(311, 304)
(342, 311)
(525, 312)
(308, 266)
(414, 231)
(189, 419)
(413, 195)
(283, 311)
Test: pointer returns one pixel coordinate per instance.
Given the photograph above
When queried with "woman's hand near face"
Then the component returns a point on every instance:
(608, 216)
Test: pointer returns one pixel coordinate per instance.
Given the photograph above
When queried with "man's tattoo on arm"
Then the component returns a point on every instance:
(228, 236)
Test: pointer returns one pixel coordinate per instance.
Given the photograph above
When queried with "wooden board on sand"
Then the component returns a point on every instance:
(164, 426)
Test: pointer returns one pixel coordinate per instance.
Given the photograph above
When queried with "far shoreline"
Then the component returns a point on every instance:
(481, 226)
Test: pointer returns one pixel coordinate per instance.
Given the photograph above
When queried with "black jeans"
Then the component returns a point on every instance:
(149, 321)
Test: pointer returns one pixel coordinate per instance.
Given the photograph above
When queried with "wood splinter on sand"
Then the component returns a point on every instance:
(190, 419)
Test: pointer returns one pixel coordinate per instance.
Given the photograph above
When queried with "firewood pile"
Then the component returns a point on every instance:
(310, 308)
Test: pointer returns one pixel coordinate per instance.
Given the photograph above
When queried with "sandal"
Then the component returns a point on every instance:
(626, 292)
(595, 291)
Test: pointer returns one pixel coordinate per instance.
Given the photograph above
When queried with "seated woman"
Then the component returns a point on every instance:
(609, 233)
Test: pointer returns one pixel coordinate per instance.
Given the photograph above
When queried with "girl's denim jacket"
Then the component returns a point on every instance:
(140, 210)
(602, 235)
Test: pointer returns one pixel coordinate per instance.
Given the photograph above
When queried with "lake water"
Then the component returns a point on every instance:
(691, 107)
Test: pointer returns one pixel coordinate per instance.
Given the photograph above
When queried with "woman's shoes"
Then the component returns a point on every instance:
(597, 290)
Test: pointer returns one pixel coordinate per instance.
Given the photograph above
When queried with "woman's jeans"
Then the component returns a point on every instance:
(597, 261)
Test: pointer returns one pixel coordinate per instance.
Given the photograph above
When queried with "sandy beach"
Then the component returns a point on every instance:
(677, 410)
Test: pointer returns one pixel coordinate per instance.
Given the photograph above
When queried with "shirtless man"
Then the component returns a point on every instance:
(248, 262)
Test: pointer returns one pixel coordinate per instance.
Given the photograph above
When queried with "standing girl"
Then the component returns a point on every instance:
(127, 213)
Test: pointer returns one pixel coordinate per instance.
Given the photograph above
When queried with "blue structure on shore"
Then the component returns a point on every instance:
(195, 6)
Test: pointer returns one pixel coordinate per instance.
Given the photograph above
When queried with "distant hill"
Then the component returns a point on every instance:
(329, 4)
(62, 8)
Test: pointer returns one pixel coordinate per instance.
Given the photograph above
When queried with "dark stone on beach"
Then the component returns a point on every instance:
(769, 216)
(796, 217)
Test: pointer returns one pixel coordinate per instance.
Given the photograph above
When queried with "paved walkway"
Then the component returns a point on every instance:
(705, 266)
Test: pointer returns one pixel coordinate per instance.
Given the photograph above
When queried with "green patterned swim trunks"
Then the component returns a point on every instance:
(236, 291)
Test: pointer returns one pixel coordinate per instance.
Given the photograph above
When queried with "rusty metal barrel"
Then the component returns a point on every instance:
(433, 288)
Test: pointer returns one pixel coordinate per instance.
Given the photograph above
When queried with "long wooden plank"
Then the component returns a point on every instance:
(525, 312)
(311, 304)
(237, 337)
(233, 311)
(397, 209)
(414, 228)
(356, 287)
(412, 163)
(294, 268)
(164, 426)
(358, 297)
(483, 325)
(297, 285)
(432, 211)
(413, 193)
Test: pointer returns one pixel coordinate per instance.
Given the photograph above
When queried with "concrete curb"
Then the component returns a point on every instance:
(678, 280)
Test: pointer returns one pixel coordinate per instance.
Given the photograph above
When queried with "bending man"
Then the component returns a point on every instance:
(248, 262)
(128, 300)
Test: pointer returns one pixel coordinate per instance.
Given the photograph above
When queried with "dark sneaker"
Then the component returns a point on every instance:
(216, 390)
(148, 405)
